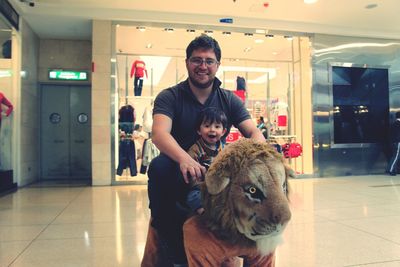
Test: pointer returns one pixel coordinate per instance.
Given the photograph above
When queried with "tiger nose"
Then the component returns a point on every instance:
(281, 214)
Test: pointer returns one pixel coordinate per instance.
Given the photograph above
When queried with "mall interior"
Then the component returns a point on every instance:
(73, 164)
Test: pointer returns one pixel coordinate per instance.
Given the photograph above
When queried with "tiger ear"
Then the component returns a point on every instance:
(216, 185)
(218, 175)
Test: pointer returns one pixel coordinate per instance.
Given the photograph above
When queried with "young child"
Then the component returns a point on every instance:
(211, 126)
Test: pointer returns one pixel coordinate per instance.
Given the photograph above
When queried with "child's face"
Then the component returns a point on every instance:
(211, 132)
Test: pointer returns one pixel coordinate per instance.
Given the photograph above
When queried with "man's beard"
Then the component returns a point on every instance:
(201, 85)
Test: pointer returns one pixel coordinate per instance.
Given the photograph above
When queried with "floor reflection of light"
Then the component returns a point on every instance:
(365, 211)
(118, 241)
(87, 239)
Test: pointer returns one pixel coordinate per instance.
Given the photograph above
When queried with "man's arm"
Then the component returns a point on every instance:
(249, 130)
(162, 138)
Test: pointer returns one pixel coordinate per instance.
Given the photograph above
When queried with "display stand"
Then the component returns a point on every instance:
(7, 184)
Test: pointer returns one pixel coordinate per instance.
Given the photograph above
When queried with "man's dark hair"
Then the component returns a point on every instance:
(204, 42)
(211, 115)
(261, 118)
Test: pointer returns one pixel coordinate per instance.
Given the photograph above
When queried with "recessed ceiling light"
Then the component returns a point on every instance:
(270, 36)
(371, 6)
(247, 49)
(248, 34)
(260, 31)
(149, 45)
(190, 31)
(208, 32)
(274, 53)
(310, 1)
(288, 37)
(226, 33)
(169, 29)
(141, 28)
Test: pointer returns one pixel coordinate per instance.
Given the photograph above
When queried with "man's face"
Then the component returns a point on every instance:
(202, 67)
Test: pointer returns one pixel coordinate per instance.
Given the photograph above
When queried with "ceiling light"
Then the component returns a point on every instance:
(149, 45)
(208, 32)
(260, 31)
(310, 1)
(190, 31)
(371, 6)
(169, 30)
(274, 53)
(247, 49)
(141, 28)
(288, 37)
(226, 33)
(259, 41)
(270, 36)
(248, 34)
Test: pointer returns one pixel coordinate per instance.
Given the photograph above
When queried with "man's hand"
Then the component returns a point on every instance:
(191, 169)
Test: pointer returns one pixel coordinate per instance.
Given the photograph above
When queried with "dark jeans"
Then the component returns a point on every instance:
(127, 157)
(137, 86)
(167, 189)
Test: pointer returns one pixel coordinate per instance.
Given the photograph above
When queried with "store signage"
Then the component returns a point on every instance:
(68, 75)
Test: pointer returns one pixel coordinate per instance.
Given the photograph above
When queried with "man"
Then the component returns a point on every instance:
(395, 139)
(174, 131)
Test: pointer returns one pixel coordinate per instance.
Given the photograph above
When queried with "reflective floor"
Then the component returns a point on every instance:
(344, 221)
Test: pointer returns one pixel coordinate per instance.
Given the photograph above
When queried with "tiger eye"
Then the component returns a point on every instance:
(252, 190)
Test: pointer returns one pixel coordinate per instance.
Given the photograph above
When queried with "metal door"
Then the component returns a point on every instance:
(65, 132)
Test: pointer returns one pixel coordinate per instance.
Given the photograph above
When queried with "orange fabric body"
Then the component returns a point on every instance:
(204, 249)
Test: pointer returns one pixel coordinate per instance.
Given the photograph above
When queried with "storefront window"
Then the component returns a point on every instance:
(6, 109)
(150, 59)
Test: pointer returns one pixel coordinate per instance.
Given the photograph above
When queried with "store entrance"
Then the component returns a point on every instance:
(65, 132)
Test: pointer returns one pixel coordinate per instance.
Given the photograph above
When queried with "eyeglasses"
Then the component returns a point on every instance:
(197, 61)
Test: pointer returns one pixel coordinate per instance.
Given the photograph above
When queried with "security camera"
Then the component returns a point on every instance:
(31, 3)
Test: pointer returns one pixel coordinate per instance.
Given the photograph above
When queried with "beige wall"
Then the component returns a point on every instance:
(101, 104)
(64, 54)
(28, 109)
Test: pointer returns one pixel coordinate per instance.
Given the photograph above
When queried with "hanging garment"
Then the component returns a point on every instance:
(126, 114)
(127, 157)
(240, 83)
(150, 151)
(292, 150)
(148, 119)
(4, 101)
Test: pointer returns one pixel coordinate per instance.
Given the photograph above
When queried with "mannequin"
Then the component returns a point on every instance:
(7, 103)
(138, 70)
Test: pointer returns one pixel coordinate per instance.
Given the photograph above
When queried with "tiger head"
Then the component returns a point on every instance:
(245, 195)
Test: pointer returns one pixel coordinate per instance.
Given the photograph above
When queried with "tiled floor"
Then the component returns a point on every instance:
(343, 221)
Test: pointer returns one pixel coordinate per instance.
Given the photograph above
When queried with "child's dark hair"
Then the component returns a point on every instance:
(211, 115)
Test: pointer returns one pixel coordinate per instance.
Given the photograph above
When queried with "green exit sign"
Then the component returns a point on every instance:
(68, 75)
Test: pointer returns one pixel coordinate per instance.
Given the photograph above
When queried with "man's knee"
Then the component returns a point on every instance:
(162, 165)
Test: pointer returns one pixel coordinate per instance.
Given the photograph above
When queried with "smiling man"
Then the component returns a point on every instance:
(174, 131)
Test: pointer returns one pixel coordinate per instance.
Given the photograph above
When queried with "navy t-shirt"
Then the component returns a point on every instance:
(181, 105)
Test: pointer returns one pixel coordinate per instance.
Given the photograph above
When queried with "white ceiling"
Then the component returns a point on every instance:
(71, 19)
